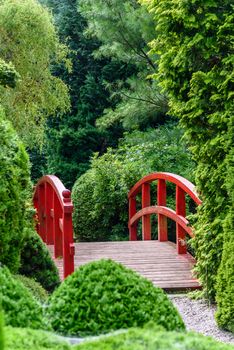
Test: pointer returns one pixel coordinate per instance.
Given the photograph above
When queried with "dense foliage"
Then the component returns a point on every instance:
(100, 195)
(28, 39)
(225, 281)
(153, 338)
(8, 74)
(36, 289)
(72, 139)
(36, 263)
(14, 197)
(195, 44)
(103, 295)
(30, 339)
(19, 306)
(1, 331)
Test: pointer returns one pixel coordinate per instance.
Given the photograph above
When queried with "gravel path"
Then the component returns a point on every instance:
(199, 317)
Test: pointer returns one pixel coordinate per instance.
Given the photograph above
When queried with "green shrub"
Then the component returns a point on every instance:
(1, 331)
(36, 289)
(30, 339)
(194, 44)
(14, 188)
(36, 263)
(102, 296)
(154, 339)
(19, 306)
(100, 195)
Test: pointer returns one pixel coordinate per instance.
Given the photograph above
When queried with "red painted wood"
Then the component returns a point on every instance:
(186, 185)
(54, 210)
(132, 212)
(49, 218)
(146, 225)
(180, 231)
(162, 219)
(171, 214)
(183, 187)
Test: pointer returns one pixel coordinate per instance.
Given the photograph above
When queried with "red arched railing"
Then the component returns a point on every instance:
(183, 187)
(54, 211)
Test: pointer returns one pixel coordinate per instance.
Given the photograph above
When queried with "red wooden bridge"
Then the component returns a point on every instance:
(166, 264)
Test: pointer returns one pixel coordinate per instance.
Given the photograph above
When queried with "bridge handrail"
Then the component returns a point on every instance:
(178, 180)
(183, 187)
(54, 210)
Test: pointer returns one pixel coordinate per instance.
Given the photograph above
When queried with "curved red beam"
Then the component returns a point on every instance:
(156, 209)
(178, 180)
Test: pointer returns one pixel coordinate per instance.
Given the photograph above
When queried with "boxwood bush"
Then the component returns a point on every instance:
(36, 289)
(154, 339)
(104, 295)
(1, 331)
(36, 263)
(30, 339)
(19, 306)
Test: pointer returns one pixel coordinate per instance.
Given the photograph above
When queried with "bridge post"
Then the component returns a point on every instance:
(67, 231)
(146, 224)
(41, 211)
(49, 218)
(162, 220)
(132, 212)
(58, 239)
(180, 210)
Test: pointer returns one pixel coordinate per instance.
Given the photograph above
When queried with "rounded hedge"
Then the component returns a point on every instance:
(104, 295)
(19, 306)
(30, 339)
(1, 331)
(35, 288)
(14, 198)
(36, 263)
(154, 339)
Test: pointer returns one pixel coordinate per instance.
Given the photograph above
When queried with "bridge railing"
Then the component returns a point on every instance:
(54, 219)
(183, 187)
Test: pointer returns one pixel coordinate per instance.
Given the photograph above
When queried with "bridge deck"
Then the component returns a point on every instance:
(157, 261)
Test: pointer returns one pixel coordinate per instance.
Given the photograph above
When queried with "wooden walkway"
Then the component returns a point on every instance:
(157, 261)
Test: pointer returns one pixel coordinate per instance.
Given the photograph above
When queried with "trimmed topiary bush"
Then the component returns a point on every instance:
(104, 295)
(19, 306)
(1, 331)
(30, 339)
(36, 263)
(35, 288)
(154, 339)
(14, 199)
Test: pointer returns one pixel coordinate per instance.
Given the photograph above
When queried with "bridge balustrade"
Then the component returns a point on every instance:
(183, 187)
(54, 219)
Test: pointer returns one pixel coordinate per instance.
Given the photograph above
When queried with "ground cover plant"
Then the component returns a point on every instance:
(30, 339)
(19, 307)
(1, 331)
(36, 263)
(152, 338)
(103, 295)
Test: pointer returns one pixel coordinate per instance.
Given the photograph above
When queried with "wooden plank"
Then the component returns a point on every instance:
(156, 261)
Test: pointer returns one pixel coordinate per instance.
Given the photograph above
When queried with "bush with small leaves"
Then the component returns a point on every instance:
(36, 289)
(102, 296)
(37, 263)
(153, 338)
(19, 306)
(31, 339)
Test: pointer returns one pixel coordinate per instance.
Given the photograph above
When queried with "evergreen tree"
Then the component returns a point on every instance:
(72, 139)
